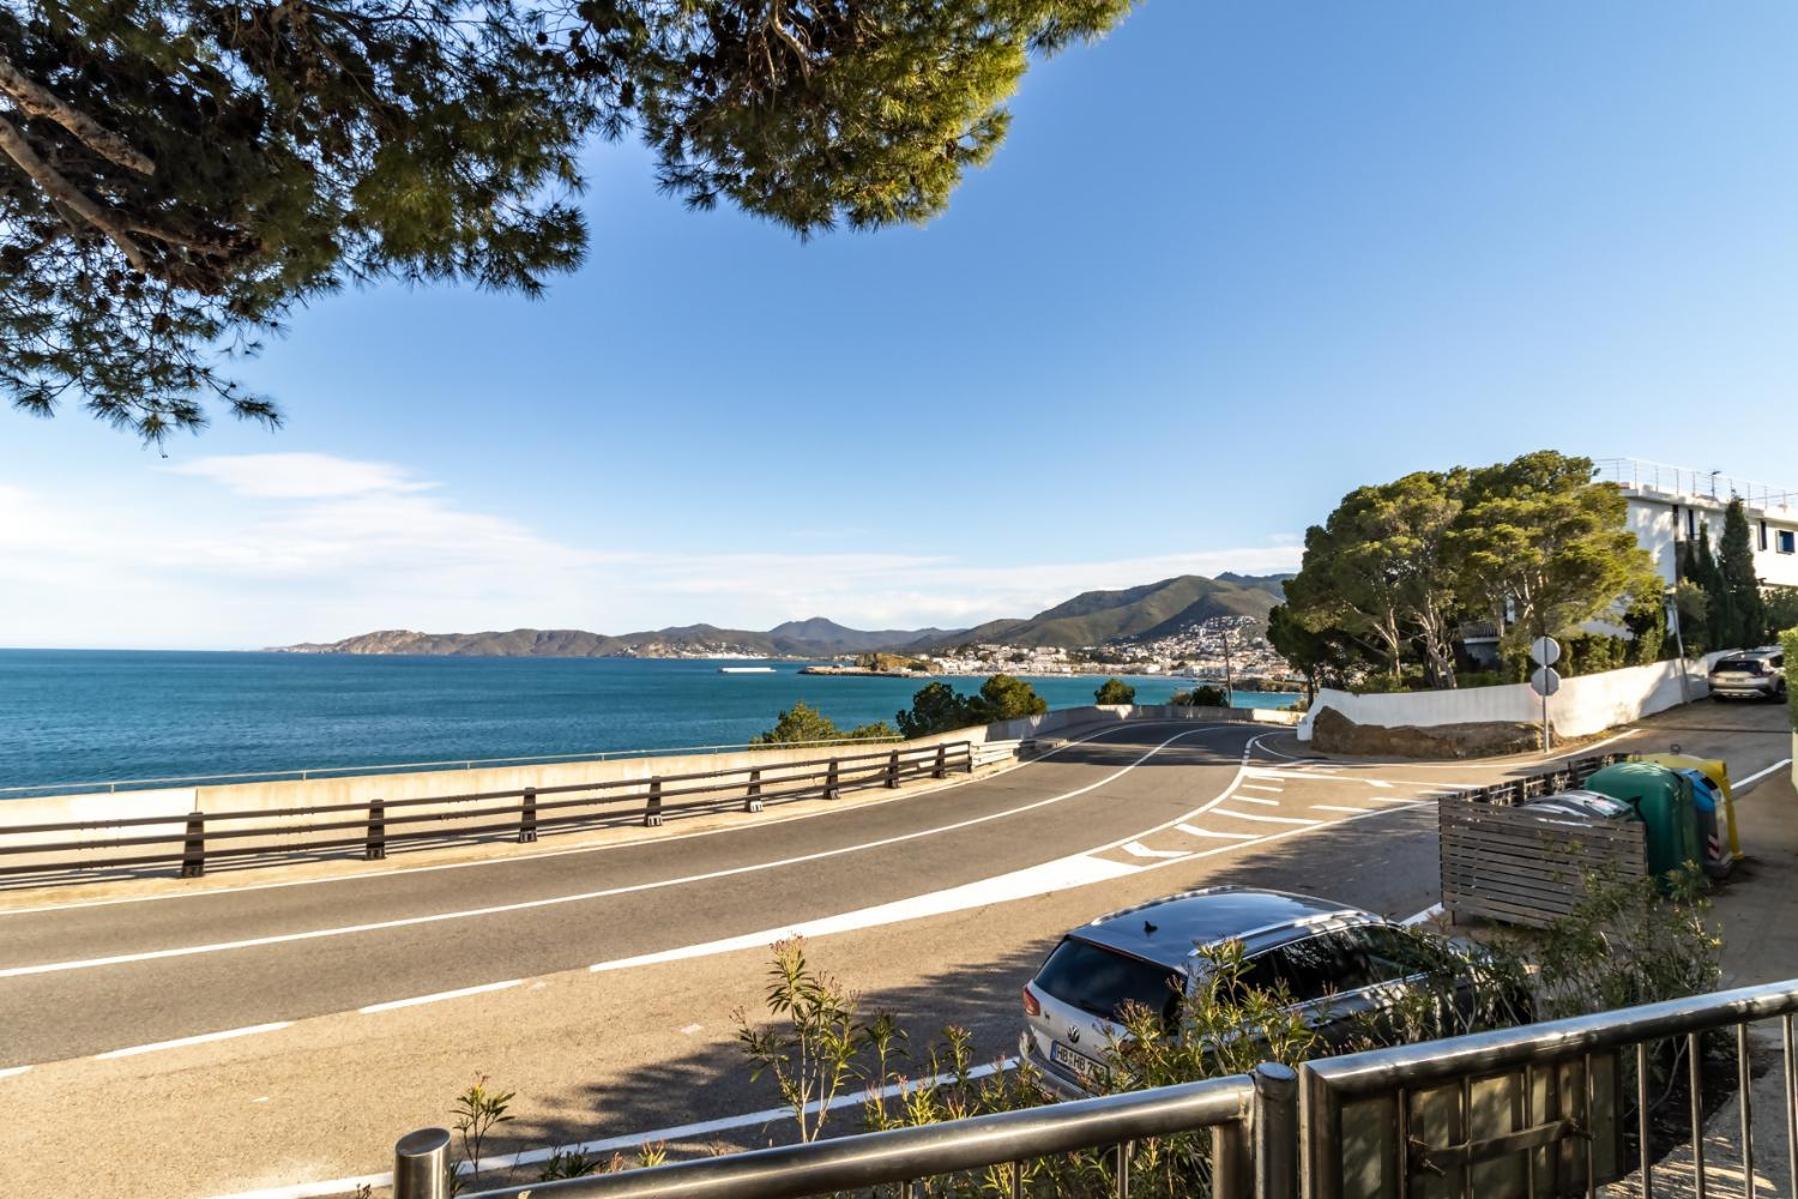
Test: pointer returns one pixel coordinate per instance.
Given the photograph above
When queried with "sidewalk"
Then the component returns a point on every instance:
(1757, 916)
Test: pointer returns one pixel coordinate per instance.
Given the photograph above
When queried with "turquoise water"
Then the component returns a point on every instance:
(96, 715)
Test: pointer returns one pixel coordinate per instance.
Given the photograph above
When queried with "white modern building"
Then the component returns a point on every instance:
(1669, 505)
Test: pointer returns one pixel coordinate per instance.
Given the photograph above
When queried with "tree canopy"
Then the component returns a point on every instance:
(1114, 691)
(938, 707)
(1532, 546)
(802, 723)
(176, 176)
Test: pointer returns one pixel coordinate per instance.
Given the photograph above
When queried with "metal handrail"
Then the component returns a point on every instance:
(1431, 1062)
(1235, 1109)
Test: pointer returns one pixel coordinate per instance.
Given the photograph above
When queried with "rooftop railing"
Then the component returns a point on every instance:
(1637, 474)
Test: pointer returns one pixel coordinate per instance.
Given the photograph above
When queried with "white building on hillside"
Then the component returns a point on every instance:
(1668, 505)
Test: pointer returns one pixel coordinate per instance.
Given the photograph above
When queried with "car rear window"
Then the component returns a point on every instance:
(1099, 980)
(1739, 666)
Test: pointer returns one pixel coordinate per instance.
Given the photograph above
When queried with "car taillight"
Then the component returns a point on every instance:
(1031, 1006)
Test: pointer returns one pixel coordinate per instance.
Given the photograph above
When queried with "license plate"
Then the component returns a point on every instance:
(1083, 1067)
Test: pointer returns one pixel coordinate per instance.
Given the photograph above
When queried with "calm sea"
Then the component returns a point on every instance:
(97, 715)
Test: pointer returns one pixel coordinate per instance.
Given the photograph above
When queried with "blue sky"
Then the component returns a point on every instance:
(1232, 261)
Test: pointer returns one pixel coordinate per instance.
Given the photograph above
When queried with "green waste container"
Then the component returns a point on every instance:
(1662, 797)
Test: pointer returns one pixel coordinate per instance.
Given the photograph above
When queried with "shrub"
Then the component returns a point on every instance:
(1114, 691)
(1203, 696)
(1789, 639)
(802, 723)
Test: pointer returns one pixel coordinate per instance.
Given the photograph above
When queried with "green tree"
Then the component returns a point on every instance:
(177, 176)
(937, 708)
(1374, 569)
(1542, 548)
(1693, 603)
(1114, 691)
(1324, 657)
(1719, 605)
(802, 723)
(1006, 697)
(1735, 569)
(1782, 609)
(1204, 695)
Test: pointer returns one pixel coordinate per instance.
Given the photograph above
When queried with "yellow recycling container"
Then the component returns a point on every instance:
(1717, 771)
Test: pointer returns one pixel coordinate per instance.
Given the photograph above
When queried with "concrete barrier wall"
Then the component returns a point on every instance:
(1584, 705)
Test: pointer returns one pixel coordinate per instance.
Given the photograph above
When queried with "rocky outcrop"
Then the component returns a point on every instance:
(1332, 732)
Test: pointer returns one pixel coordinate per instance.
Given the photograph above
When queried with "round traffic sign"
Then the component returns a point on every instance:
(1545, 651)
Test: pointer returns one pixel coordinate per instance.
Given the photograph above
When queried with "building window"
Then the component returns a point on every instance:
(1788, 542)
(1691, 523)
(1763, 537)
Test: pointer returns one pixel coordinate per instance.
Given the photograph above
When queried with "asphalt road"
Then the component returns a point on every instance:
(122, 975)
(936, 907)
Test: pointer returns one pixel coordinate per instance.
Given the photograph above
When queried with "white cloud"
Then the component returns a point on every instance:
(271, 548)
(300, 476)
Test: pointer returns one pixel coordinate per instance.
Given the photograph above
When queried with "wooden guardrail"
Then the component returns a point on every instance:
(1504, 862)
(192, 840)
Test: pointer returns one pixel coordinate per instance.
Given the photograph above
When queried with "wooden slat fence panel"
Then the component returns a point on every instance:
(1524, 867)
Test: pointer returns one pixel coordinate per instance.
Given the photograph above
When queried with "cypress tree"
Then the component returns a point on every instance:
(1723, 623)
(1736, 574)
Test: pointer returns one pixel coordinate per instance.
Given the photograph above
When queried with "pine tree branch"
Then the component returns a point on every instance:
(59, 189)
(38, 101)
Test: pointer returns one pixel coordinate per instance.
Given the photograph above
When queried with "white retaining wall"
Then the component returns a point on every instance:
(1584, 705)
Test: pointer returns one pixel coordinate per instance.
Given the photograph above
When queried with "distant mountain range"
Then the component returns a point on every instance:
(1091, 618)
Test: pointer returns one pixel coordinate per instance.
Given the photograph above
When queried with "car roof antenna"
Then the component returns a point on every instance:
(1149, 927)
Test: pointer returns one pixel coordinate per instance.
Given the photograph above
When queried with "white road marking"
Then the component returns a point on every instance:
(1330, 807)
(1260, 787)
(679, 1132)
(230, 1034)
(581, 897)
(1266, 803)
(1075, 871)
(587, 847)
(458, 993)
(13, 1071)
(1757, 776)
(1264, 819)
(1193, 831)
(1398, 799)
(1382, 783)
(1137, 849)
(690, 1029)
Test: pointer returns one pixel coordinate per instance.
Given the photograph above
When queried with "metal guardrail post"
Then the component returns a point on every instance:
(377, 830)
(831, 786)
(1274, 1131)
(968, 748)
(652, 815)
(1232, 1174)
(752, 799)
(193, 846)
(527, 817)
(942, 762)
(893, 769)
(421, 1165)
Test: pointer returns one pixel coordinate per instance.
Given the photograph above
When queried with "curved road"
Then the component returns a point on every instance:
(126, 974)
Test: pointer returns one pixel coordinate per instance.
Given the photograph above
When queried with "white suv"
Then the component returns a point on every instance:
(1752, 674)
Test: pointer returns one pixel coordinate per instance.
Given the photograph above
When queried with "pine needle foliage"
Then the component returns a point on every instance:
(178, 176)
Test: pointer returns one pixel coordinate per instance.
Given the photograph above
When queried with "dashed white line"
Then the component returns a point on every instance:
(1399, 799)
(1266, 803)
(1195, 831)
(13, 1071)
(1137, 849)
(1330, 807)
(1263, 819)
(458, 993)
(229, 1034)
(1260, 787)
